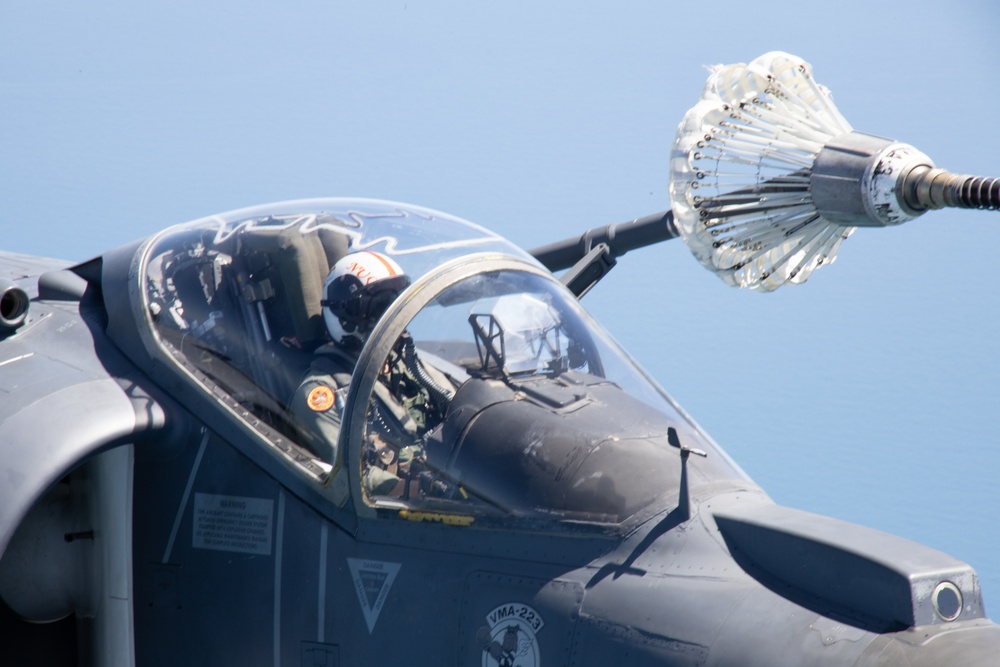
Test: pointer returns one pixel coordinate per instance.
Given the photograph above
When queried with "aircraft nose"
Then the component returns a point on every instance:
(974, 645)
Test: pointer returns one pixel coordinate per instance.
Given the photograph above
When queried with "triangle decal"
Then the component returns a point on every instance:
(372, 581)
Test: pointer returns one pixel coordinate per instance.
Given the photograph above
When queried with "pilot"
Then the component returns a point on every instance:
(357, 292)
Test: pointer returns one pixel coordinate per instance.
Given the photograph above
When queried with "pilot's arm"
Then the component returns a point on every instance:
(317, 407)
(406, 404)
(420, 390)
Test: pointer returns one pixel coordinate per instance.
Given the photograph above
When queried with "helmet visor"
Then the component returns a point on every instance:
(364, 305)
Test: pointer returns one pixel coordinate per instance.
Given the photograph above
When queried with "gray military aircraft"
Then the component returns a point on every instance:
(160, 503)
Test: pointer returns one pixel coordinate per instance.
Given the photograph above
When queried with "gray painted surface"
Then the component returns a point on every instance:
(232, 555)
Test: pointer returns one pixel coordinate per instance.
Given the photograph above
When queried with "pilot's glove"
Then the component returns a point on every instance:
(378, 452)
(411, 457)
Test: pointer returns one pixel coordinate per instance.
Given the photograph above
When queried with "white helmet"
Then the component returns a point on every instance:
(358, 290)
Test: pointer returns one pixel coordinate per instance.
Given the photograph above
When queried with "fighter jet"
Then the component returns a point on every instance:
(163, 502)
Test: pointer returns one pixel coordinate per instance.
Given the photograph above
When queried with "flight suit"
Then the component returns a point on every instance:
(398, 418)
(318, 404)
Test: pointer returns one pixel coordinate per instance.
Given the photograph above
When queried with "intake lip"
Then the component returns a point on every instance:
(14, 304)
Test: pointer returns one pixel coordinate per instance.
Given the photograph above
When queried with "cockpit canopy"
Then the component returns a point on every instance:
(485, 391)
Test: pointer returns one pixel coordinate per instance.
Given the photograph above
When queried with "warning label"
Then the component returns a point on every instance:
(233, 523)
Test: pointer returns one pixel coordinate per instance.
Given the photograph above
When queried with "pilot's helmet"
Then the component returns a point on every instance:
(358, 290)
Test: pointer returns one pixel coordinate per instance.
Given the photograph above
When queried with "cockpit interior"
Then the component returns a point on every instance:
(533, 412)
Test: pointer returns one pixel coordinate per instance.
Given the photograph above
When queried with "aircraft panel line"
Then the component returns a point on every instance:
(184, 498)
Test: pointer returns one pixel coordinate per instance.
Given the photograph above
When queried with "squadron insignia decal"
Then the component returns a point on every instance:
(510, 638)
(372, 581)
(320, 399)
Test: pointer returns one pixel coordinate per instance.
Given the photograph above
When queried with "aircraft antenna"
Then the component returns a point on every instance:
(767, 178)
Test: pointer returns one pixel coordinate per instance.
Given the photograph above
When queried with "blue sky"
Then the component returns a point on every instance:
(867, 394)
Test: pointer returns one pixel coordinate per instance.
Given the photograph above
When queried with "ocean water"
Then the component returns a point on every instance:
(868, 394)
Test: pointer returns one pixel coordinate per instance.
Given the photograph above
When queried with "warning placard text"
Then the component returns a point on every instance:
(233, 523)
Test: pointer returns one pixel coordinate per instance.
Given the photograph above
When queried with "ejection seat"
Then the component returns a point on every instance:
(282, 277)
